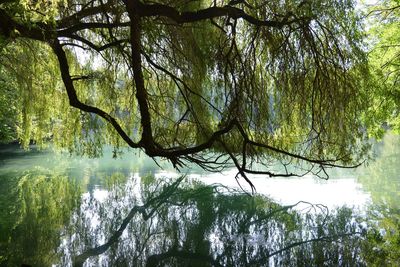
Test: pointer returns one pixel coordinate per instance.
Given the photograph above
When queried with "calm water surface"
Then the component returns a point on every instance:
(58, 210)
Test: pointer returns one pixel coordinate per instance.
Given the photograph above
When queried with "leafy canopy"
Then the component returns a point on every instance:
(254, 82)
(384, 59)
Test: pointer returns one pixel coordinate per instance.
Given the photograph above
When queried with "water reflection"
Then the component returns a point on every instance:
(35, 208)
(148, 222)
(382, 180)
(143, 221)
(60, 211)
(341, 190)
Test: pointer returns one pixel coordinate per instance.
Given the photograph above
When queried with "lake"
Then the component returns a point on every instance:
(62, 210)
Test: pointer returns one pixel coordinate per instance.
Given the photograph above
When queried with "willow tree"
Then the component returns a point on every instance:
(216, 83)
(384, 16)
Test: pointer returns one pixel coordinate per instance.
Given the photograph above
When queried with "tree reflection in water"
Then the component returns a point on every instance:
(148, 222)
(35, 207)
(382, 180)
(143, 221)
(138, 220)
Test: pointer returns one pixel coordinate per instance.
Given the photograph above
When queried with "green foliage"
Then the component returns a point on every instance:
(32, 95)
(381, 247)
(297, 87)
(31, 12)
(36, 107)
(273, 82)
(8, 109)
(384, 38)
(36, 209)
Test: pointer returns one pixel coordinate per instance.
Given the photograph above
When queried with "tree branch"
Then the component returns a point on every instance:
(151, 10)
(136, 64)
(75, 102)
(84, 12)
(91, 25)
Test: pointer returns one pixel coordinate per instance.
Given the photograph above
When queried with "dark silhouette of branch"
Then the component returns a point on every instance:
(150, 10)
(75, 102)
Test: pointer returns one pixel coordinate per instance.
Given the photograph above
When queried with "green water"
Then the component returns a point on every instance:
(58, 210)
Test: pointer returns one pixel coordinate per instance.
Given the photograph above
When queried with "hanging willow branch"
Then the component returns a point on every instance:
(247, 81)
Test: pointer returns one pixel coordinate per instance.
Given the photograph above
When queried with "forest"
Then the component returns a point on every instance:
(196, 132)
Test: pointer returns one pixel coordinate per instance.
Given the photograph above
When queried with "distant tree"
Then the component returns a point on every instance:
(253, 82)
